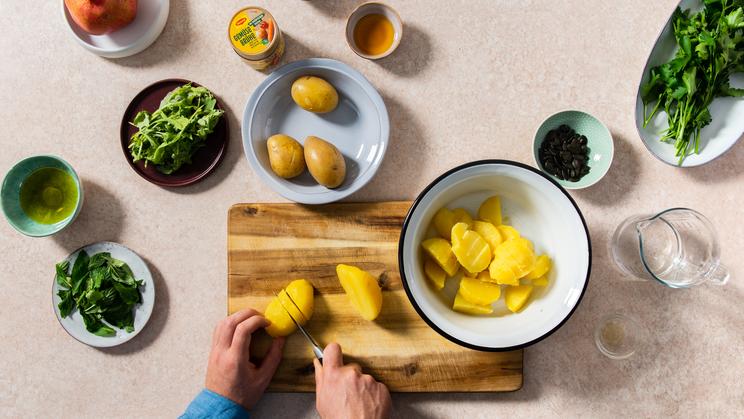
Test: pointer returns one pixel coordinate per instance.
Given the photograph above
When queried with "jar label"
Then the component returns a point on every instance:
(251, 31)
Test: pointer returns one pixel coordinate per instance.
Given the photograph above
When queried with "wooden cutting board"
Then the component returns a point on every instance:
(268, 245)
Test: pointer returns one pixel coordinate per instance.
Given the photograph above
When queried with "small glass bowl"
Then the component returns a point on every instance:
(618, 336)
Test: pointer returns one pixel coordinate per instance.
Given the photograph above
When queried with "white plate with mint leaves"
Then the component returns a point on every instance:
(103, 294)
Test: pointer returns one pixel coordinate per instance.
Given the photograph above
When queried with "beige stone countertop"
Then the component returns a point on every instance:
(471, 80)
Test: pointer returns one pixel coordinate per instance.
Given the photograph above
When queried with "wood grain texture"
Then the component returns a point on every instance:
(271, 244)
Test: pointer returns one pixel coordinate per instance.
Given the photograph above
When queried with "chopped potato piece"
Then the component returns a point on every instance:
(508, 232)
(502, 273)
(517, 255)
(472, 251)
(463, 306)
(541, 282)
(363, 290)
(542, 266)
(516, 297)
(441, 251)
(458, 231)
(462, 216)
(489, 232)
(443, 221)
(436, 274)
(490, 210)
(478, 292)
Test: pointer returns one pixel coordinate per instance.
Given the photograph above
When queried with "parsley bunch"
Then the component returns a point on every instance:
(711, 48)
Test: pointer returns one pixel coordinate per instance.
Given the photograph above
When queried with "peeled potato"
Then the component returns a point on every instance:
(489, 233)
(517, 255)
(464, 306)
(458, 232)
(478, 292)
(443, 221)
(516, 297)
(325, 163)
(441, 252)
(462, 215)
(286, 156)
(436, 274)
(301, 292)
(472, 252)
(508, 232)
(363, 290)
(490, 210)
(541, 282)
(542, 266)
(314, 94)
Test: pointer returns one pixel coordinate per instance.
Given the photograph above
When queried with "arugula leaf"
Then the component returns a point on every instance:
(171, 135)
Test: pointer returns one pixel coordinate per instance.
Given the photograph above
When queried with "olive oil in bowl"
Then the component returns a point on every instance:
(49, 195)
(374, 34)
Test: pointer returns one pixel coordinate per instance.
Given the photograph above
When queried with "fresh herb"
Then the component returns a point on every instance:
(171, 135)
(102, 289)
(711, 48)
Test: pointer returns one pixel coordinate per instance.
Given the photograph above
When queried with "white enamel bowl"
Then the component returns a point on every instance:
(542, 211)
(358, 127)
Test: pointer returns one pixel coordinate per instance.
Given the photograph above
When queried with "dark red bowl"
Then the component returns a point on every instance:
(203, 162)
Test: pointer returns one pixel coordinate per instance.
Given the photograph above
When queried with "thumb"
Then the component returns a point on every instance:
(272, 359)
(318, 374)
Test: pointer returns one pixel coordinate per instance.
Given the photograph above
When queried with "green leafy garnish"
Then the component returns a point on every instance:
(102, 289)
(711, 48)
(171, 135)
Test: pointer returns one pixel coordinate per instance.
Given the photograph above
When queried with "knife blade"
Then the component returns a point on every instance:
(317, 350)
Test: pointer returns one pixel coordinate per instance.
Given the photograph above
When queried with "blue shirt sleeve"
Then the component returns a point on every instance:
(209, 404)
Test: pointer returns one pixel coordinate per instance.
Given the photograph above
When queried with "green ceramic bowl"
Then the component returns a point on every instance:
(11, 191)
(599, 140)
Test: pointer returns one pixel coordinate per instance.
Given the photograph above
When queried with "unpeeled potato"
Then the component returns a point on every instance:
(325, 163)
(314, 94)
(286, 156)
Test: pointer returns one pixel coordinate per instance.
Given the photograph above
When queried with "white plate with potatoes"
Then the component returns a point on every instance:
(542, 212)
(315, 130)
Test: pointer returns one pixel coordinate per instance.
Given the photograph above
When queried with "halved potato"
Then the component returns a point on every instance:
(490, 210)
(441, 251)
(435, 273)
(464, 306)
(443, 221)
(516, 297)
(471, 251)
(363, 290)
(542, 266)
(478, 292)
(489, 232)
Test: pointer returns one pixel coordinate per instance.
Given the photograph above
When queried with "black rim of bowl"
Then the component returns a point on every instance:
(404, 280)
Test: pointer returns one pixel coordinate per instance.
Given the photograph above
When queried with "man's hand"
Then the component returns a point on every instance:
(342, 391)
(230, 372)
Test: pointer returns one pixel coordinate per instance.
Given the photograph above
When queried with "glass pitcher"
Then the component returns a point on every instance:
(677, 247)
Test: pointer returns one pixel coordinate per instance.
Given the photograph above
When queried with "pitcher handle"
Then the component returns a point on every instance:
(719, 276)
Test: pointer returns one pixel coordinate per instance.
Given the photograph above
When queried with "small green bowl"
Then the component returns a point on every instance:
(599, 141)
(11, 192)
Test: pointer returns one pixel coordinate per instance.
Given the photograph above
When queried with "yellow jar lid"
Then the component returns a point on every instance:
(252, 32)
